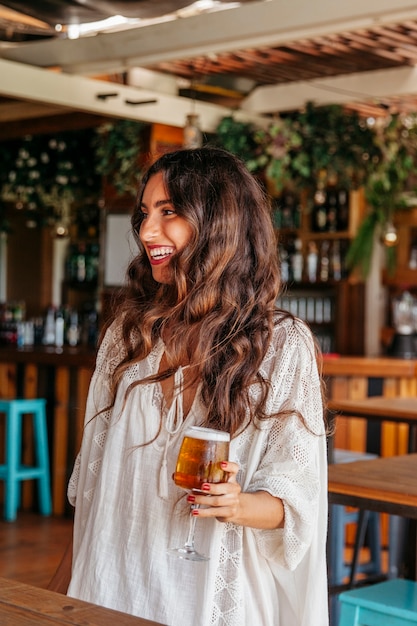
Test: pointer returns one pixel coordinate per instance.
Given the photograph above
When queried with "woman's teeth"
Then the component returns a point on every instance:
(160, 253)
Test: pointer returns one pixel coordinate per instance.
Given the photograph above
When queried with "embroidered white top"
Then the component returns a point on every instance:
(128, 512)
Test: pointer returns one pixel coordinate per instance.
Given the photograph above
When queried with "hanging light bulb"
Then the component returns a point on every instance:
(61, 226)
(61, 231)
(390, 235)
(193, 137)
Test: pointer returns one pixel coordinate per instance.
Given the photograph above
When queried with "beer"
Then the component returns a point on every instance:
(202, 451)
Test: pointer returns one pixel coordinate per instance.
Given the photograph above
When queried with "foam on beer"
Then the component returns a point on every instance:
(208, 434)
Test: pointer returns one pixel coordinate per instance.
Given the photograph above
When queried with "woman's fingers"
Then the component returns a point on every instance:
(231, 469)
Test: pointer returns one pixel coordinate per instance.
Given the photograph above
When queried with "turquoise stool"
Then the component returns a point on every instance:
(391, 603)
(13, 472)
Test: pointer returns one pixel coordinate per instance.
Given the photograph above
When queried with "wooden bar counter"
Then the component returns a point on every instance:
(63, 376)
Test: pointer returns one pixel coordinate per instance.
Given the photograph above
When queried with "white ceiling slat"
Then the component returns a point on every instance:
(337, 90)
(253, 24)
(80, 94)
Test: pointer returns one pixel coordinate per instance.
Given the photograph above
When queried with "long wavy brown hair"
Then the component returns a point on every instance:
(218, 309)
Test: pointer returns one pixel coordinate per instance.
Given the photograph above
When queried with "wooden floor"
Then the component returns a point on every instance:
(32, 546)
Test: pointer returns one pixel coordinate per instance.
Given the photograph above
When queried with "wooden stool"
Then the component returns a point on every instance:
(392, 602)
(13, 472)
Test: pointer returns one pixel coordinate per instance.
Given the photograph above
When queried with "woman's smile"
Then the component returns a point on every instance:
(162, 232)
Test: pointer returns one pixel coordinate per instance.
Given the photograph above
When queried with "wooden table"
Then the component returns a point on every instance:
(381, 409)
(24, 605)
(385, 484)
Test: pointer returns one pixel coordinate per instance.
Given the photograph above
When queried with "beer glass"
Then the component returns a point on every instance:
(201, 453)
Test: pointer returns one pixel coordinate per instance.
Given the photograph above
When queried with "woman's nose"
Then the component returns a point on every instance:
(149, 227)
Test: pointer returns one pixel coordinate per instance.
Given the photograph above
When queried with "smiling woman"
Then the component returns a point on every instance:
(163, 232)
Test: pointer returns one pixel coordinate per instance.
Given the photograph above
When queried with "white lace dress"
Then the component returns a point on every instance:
(128, 511)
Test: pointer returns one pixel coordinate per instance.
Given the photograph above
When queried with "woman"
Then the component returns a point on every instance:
(198, 341)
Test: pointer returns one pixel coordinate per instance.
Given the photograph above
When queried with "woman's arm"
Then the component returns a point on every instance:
(228, 503)
(62, 576)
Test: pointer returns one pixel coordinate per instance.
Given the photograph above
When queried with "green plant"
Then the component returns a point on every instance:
(39, 173)
(388, 186)
(295, 151)
(118, 146)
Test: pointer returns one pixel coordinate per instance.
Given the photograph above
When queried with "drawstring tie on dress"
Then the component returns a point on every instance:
(173, 423)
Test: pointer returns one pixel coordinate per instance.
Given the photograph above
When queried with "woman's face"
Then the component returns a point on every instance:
(162, 232)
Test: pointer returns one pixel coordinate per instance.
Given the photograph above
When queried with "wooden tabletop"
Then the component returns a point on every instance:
(386, 484)
(24, 605)
(378, 407)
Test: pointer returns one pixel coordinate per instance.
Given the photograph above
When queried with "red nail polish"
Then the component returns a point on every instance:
(205, 487)
(223, 464)
(194, 512)
(191, 498)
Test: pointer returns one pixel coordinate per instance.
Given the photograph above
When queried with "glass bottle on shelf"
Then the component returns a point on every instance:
(312, 262)
(343, 210)
(284, 264)
(297, 261)
(324, 261)
(81, 263)
(336, 263)
(331, 209)
(319, 213)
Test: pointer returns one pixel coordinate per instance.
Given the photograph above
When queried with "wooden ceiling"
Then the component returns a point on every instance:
(378, 48)
(245, 59)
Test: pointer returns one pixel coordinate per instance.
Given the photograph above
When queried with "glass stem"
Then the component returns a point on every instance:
(189, 544)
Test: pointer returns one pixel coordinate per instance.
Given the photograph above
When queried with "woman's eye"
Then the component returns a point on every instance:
(169, 212)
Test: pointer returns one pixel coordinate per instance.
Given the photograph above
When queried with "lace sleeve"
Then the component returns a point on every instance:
(96, 419)
(293, 463)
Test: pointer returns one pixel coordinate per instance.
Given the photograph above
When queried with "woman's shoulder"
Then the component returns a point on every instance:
(291, 331)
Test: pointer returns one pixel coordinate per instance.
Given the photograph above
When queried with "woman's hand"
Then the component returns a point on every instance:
(222, 499)
(227, 503)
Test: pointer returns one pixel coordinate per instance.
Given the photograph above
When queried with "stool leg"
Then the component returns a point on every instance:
(336, 545)
(42, 457)
(12, 486)
(359, 541)
(375, 547)
(396, 548)
(349, 615)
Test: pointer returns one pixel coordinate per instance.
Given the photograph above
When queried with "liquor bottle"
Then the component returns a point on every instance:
(343, 210)
(73, 332)
(81, 263)
(319, 211)
(336, 263)
(331, 209)
(312, 262)
(49, 328)
(284, 264)
(324, 261)
(297, 261)
(59, 329)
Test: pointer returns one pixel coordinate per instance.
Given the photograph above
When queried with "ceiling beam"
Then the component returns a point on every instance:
(107, 99)
(253, 24)
(14, 111)
(357, 87)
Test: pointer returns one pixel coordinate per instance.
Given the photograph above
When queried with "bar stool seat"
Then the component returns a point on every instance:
(392, 602)
(12, 472)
